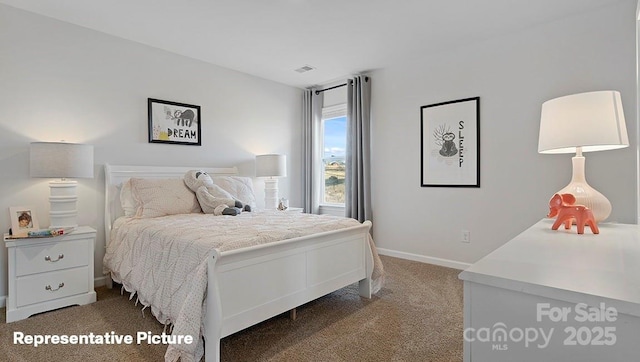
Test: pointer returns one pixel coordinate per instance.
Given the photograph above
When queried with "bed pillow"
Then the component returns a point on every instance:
(159, 197)
(241, 188)
(129, 205)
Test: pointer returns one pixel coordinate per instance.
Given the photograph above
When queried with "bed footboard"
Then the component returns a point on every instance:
(250, 285)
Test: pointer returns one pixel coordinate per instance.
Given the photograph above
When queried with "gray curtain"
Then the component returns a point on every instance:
(311, 119)
(358, 155)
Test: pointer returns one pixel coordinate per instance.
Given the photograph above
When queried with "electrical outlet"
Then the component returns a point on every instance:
(466, 236)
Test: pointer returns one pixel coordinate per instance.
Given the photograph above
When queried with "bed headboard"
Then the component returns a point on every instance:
(116, 176)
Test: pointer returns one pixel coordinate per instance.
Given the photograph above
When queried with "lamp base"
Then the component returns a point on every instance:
(271, 193)
(585, 194)
(62, 200)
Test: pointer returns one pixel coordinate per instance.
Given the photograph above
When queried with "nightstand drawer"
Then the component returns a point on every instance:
(49, 273)
(59, 284)
(52, 256)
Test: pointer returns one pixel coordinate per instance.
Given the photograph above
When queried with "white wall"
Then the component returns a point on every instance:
(513, 75)
(61, 81)
(638, 100)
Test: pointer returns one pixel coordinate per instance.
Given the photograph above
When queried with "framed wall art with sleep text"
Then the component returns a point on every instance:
(172, 122)
(450, 144)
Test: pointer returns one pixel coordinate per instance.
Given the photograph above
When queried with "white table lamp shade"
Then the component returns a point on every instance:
(593, 121)
(61, 160)
(271, 167)
(584, 122)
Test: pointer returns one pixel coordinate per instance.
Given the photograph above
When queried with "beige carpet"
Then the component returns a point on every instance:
(417, 316)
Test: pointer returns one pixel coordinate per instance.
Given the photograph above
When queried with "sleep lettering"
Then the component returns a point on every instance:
(460, 146)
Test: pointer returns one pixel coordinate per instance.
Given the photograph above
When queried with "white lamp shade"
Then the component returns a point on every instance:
(271, 166)
(592, 120)
(61, 160)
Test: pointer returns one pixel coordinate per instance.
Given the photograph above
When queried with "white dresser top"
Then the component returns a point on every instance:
(79, 232)
(566, 266)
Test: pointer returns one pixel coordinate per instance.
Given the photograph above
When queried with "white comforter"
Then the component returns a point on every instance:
(164, 260)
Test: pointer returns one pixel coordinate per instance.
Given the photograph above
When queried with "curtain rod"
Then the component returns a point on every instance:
(366, 79)
(330, 88)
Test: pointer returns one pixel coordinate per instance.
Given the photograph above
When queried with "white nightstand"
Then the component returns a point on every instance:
(294, 209)
(50, 273)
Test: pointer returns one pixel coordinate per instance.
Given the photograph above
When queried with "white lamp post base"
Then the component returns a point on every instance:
(62, 200)
(271, 193)
(585, 194)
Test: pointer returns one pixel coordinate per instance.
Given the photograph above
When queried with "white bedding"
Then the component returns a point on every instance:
(164, 260)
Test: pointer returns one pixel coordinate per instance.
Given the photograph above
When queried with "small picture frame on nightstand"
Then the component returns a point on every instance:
(23, 220)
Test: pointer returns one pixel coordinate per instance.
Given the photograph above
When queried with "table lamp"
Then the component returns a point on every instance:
(271, 167)
(61, 160)
(584, 122)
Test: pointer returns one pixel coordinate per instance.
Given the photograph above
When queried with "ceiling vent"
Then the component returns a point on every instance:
(305, 69)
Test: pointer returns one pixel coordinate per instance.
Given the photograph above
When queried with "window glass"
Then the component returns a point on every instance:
(334, 145)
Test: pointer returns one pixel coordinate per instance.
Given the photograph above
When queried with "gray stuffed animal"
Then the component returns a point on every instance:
(212, 198)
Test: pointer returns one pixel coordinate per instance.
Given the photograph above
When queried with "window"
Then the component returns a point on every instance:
(334, 144)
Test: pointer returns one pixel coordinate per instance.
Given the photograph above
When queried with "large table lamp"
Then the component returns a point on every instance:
(61, 160)
(271, 167)
(580, 123)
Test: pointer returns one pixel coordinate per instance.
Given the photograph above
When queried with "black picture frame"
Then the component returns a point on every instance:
(174, 123)
(450, 144)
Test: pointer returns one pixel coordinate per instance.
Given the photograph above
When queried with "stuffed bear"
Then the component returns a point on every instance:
(212, 198)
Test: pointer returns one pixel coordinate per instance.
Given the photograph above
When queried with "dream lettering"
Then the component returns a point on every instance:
(182, 133)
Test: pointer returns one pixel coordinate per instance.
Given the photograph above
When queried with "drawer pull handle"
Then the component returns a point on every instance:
(48, 287)
(48, 258)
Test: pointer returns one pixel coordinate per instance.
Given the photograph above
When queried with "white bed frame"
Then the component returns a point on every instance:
(247, 286)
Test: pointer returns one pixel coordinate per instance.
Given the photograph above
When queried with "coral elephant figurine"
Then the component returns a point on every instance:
(563, 205)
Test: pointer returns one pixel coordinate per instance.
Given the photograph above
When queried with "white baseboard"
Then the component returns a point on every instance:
(3, 301)
(424, 259)
(99, 282)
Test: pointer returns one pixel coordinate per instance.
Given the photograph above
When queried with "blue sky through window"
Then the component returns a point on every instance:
(335, 137)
